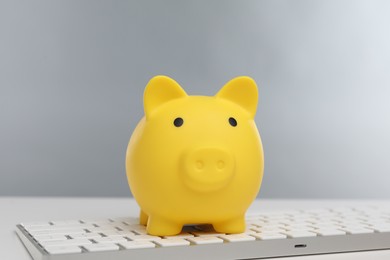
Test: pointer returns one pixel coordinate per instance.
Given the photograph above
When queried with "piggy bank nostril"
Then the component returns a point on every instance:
(199, 164)
(220, 164)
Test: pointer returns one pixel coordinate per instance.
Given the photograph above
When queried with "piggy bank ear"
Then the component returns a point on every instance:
(160, 90)
(242, 91)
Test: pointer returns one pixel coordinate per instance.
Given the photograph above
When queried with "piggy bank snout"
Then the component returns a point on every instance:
(207, 169)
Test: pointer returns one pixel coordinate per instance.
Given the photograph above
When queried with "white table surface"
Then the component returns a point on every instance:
(14, 210)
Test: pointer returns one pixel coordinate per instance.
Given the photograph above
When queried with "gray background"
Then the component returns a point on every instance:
(72, 75)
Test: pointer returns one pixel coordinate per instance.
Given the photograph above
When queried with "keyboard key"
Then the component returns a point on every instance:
(269, 230)
(249, 231)
(144, 238)
(85, 235)
(137, 226)
(204, 240)
(256, 223)
(326, 226)
(352, 224)
(296, 234)
(58, 228)
(271, 226)
(137, 244)
(109, 240)
(357, 230)
(387, 223)
(58, 232)
(298, 230)
(380, 228)
(302, 226)
(35, 224)
(138, 229)
(237, 237)
(63, 249)
(66, 222)
(101, 247)
(318, 211)
(128, 220)
(268, 236)
(69, 242)
(96, 221)
(102, 229)
(43, 238)
(172, 242)
(114, 225)
(117, 233)
(329, 232)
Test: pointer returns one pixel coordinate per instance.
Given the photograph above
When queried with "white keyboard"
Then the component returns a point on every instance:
(271, 234)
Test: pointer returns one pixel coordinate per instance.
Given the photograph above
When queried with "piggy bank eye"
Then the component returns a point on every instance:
(178, 122)
(232, 121)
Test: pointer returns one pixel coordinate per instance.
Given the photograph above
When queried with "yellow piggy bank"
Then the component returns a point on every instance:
(195, 159)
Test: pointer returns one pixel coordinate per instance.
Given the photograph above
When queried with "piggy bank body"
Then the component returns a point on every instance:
(195, 159)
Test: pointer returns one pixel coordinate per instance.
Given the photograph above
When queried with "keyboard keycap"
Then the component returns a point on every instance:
(127, 220)
(355, 231)
(109, 240)
(69, 242)
(96, 221)
(117, 233)
(102, 229)
(138, 229)
(63, 249)
(101, 247)
(329, 232)
(58, 228)
(85, 235)
(380, 228)
(143, 238)
(35, 224)
(205, 240)
(296, 234)
(172, 242)
(268, 230)
(137, 244)
(43, 238)
(237, 237)
(66, 222)
(268, 236)
(58, 232)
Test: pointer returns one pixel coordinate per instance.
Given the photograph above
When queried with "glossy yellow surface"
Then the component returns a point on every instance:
(195, 159)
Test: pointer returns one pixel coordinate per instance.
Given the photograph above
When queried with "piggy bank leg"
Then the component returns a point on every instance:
(162, 227)
(236, 225)
(143, 218)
